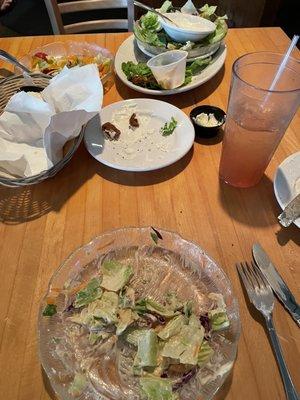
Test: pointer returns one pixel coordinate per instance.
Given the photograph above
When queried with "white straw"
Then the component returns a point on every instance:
(283, 62)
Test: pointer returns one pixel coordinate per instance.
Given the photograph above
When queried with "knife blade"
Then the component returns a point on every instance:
(276, 282)
(291, 212)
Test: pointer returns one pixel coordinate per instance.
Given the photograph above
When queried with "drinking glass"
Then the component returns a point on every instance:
(257, 116)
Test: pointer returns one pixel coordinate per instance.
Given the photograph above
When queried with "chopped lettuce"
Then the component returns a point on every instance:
(106, 308)
(150, 21)
(78, 385)
(127, 297)
(146, 355)
(154, 388)
(219, 319)
(95, 337)
(173, 327)
(132, 335)
(90, 293)
(49, 310)
(150, 305)
(219, 33)
(218, 315)
(207, 11)
(185, 346)
(205, 353)
(126, 318)
(115, 275)
(165, 6)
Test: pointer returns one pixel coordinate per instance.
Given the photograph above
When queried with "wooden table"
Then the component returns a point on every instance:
(42, 224)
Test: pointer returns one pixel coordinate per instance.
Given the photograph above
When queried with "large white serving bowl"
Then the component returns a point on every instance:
(199, 27)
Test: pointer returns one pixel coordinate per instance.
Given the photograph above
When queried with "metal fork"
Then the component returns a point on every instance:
(261, 296)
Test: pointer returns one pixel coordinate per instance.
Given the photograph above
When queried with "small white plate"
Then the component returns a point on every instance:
(287, 181)
(142, 149)
(129, 51)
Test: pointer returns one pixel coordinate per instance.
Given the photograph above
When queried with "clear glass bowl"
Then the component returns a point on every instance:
(173, 264)
(71, 48)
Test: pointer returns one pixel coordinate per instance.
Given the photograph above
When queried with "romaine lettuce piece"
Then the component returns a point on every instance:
(205, 353)
(218, 315)
(146, 355)
(219, 33)
(173, 327)
(127, 297)
(207, 11)
(165, 6)
(147, 304)
(106, 308)
(90, 293)
(115, 275)
(132, 335)
(154, 388)
(78, 385)
(126, 318)
(185, 346)
(150, 21)
(218, 319)
(95, 337)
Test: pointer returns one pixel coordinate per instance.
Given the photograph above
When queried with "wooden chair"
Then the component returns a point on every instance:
(56, 10)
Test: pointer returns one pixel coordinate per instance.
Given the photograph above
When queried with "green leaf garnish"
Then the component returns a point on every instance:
(169, 127)
(90, 293)
(49, 310)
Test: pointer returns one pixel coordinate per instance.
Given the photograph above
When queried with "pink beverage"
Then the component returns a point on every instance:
(246, 153)
(257, 117)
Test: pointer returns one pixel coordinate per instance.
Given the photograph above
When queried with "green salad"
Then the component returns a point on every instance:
(170, 341)
(148, 29)
(141, 75)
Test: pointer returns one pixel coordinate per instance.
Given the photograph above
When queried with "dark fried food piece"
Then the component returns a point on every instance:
(110, 131)
(133, 121)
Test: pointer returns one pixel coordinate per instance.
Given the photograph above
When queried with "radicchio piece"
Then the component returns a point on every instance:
(133, 121)
(186, 377)
(205, 322)
(161, 320)
(110, 131)
(164, 375)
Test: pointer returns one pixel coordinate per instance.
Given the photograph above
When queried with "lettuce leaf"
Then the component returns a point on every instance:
(219, 33)
(90, 293)
(132, 335)
(154, 388)
(173, 327)
(185, 346)
(205, 353)
(106, 308)
(115, 275)
(126, 318)
(147, 304)
(146, 355)
(218, 315)
(165, 6)
(150, 21)
(207, 11)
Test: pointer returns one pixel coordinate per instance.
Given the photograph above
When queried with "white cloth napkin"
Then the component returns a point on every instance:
(35, 127)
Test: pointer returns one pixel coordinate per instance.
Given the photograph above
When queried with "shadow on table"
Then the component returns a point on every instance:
(143, 178)
(18, 205)
(284, 235)
(181, 100)
(210, 141)
(249, 205)
(48, 386)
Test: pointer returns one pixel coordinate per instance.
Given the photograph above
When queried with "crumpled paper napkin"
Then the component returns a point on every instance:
(35, 127)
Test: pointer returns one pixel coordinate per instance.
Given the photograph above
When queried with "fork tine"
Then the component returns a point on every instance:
(250, 275)
(260, 276)
(246, 282)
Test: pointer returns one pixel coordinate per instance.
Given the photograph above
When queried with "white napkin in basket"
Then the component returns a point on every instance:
(33, 129)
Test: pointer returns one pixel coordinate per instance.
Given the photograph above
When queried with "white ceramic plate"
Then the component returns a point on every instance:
(129, 51)
(287, 181)
(143, 149)
(149, 54)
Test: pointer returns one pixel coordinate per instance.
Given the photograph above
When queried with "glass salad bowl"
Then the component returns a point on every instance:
(170, 263)
(72, 54)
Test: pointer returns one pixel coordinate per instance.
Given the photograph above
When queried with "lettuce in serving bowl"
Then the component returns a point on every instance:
(150, 34)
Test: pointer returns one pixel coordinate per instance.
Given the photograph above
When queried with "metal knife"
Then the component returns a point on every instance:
(291, 212)
(276, 282)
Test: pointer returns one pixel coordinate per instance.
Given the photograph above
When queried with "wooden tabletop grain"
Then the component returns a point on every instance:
(41, 225)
